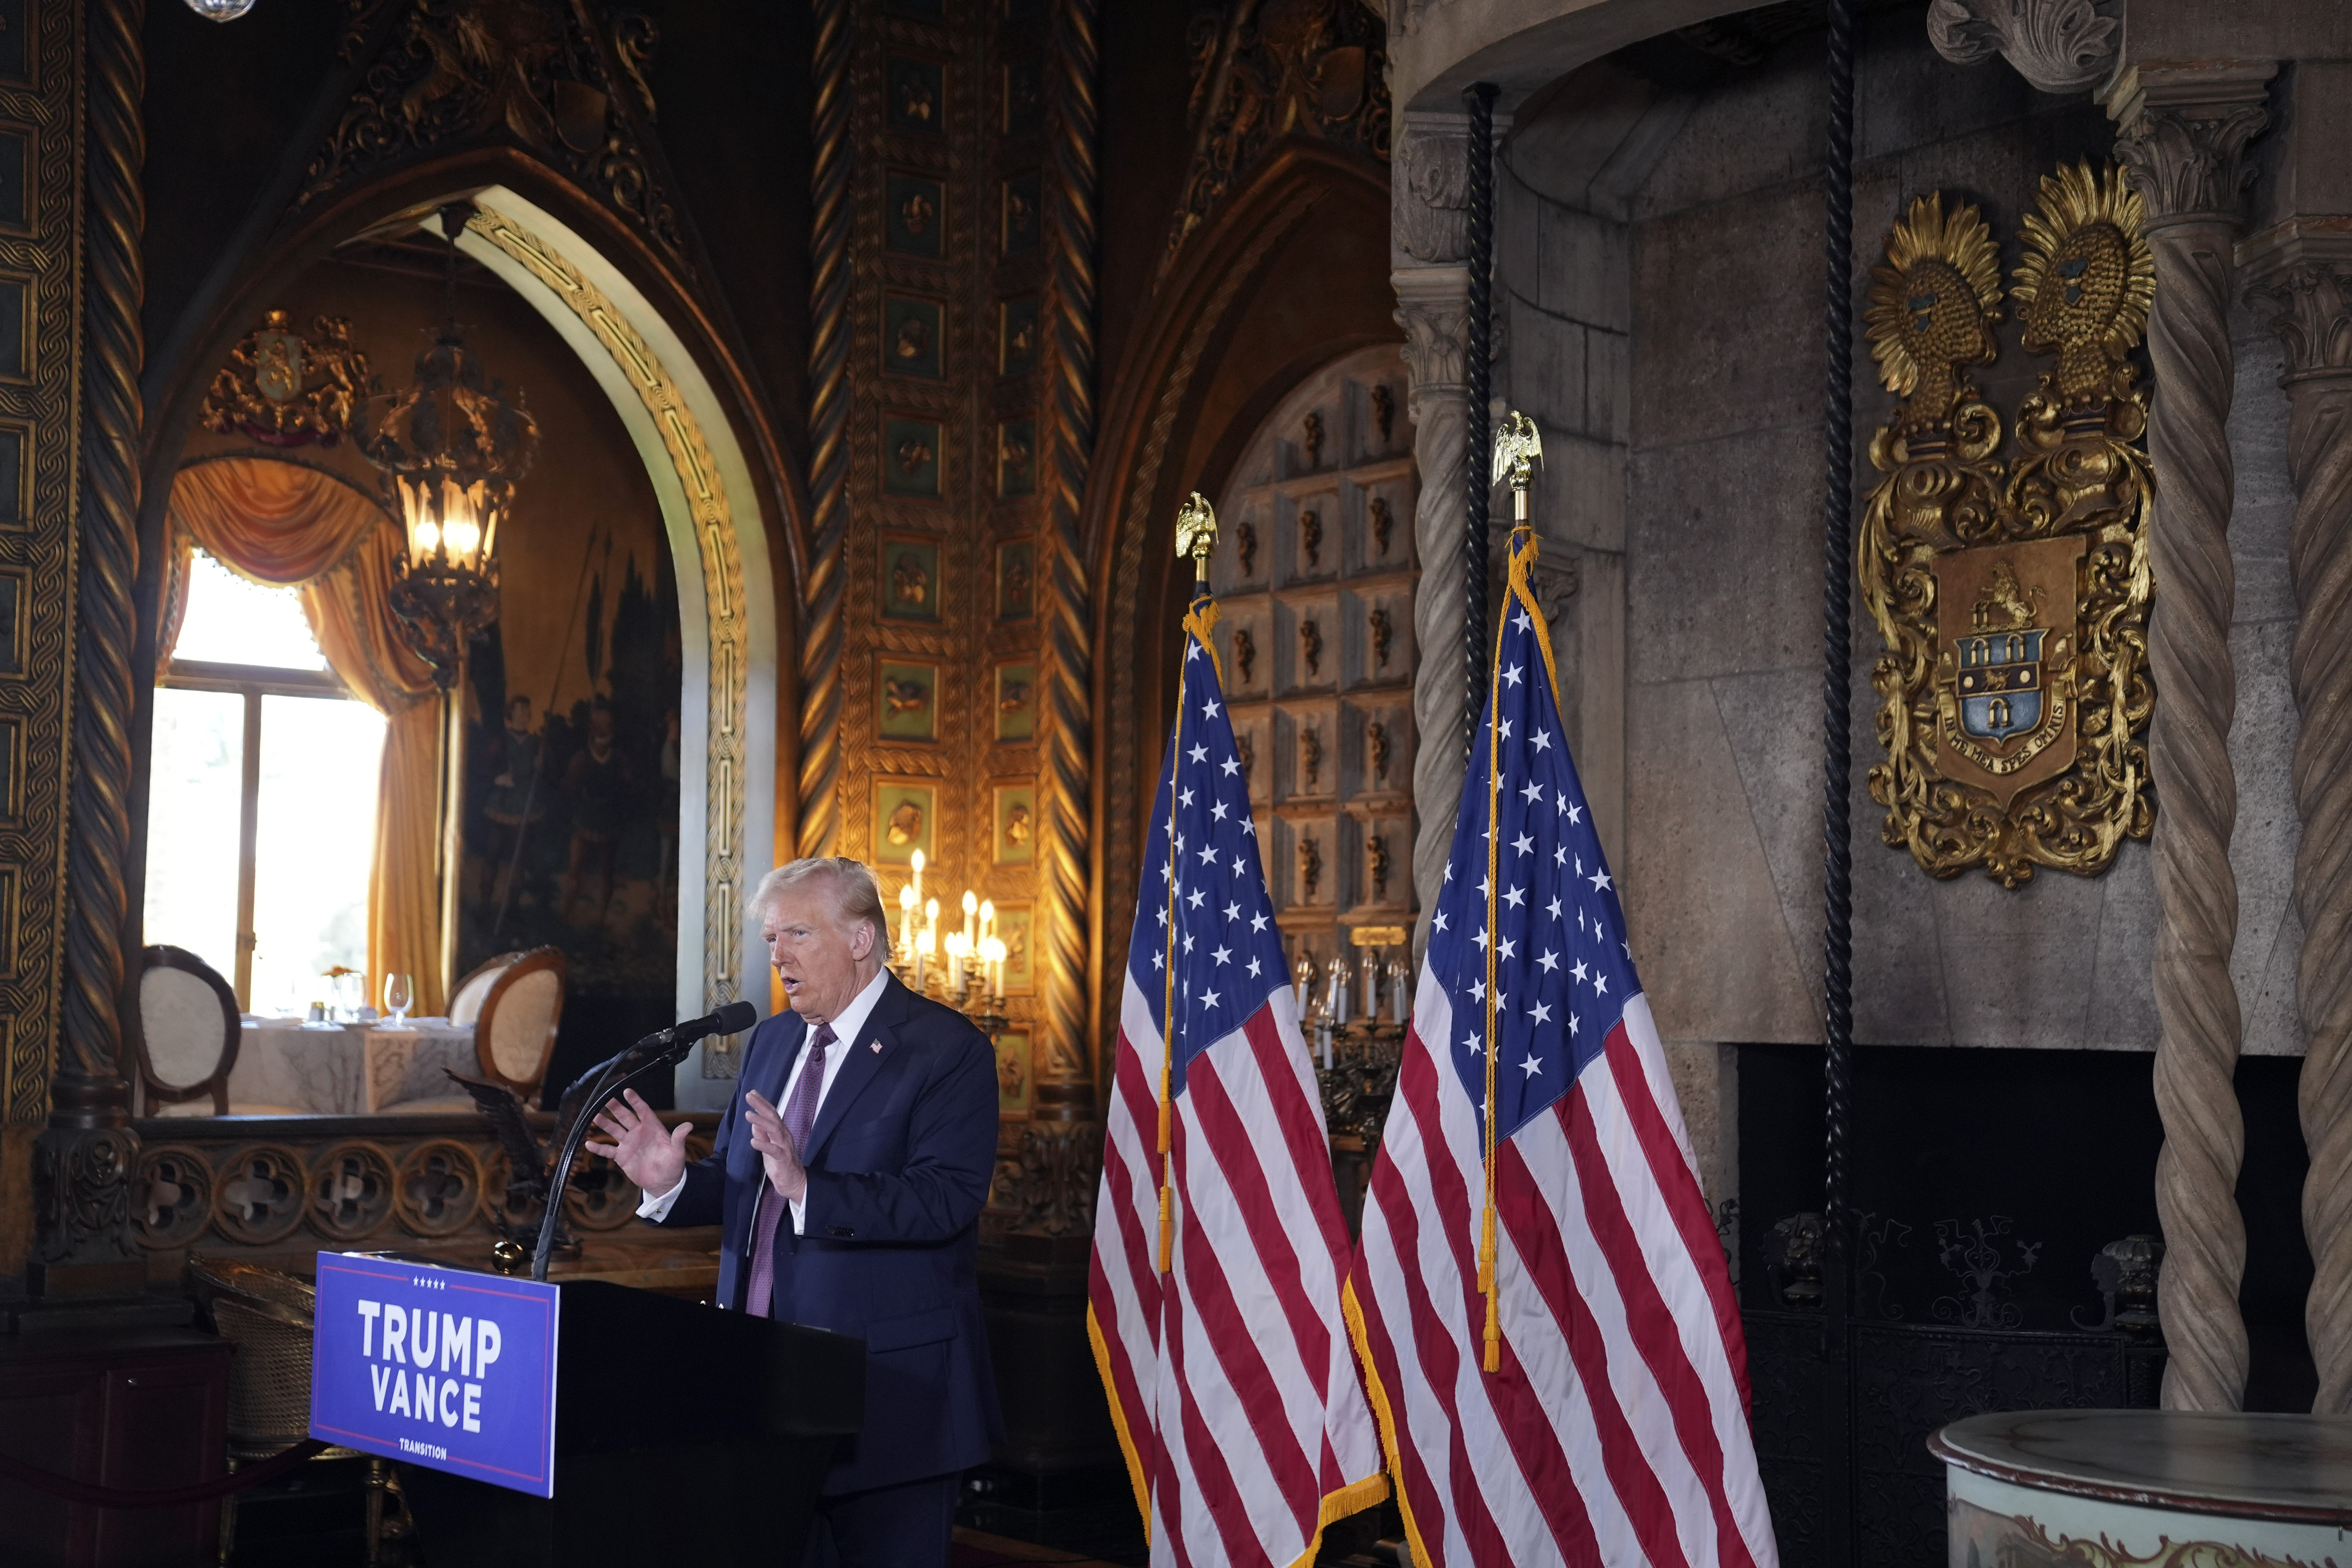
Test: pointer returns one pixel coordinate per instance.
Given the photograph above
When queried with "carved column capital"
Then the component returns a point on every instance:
(2305, 296)
(2059, 46)
(1429, 188)
(1434, 309)
(2184, 136)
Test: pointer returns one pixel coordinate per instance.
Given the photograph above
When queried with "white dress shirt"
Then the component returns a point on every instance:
(844, 1029)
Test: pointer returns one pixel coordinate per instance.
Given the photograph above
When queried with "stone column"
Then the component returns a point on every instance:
(2304, 284)
(1430, 245)
(2184, 131)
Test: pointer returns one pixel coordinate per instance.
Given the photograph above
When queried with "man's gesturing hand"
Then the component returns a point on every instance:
(649, 1154)
(785, 1171)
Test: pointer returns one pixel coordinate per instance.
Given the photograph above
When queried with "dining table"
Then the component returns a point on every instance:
(350, 1069)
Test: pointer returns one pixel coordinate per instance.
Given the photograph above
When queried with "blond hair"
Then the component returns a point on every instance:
(859, 895)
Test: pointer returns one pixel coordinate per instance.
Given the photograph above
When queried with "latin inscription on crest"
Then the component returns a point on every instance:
(2012, 592)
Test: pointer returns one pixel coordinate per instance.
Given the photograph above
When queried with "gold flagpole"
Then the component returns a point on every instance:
(1518, 448)
(1196, 536)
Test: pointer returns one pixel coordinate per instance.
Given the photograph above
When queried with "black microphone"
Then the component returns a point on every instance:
(731, 1019)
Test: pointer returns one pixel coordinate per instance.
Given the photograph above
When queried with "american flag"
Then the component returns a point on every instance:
(1217, 1327)
(1614, 1428)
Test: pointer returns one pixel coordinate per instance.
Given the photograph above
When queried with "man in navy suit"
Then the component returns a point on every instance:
(849, 1177)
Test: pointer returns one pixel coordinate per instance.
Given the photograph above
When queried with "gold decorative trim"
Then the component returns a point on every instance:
(723, 578)
(2013, 596)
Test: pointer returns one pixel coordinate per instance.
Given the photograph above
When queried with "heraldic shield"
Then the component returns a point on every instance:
(2005, 663)
(2013, 592)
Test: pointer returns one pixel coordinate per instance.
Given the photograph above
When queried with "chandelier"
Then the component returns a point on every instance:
(451, 447)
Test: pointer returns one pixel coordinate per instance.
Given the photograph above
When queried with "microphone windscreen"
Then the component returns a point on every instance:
(735, 1017)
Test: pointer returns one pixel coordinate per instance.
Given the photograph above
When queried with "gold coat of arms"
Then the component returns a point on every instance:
(2012, 592)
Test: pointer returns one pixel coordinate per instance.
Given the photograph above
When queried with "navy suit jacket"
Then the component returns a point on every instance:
(898, 1166)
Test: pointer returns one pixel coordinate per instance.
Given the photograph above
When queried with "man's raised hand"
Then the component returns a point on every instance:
(649, 1154)
(782, 1162)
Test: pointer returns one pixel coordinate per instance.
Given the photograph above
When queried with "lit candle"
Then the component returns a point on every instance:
(918, 864)
(992, 952)
(907, 921)
(987, 919)
(970, 923)
(1338, 974)
(1323, 1042)
(1400, 999)
(1369, 966)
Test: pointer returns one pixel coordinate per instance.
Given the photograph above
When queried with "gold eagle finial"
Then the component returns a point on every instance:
(1518, 448)
(1196, 533)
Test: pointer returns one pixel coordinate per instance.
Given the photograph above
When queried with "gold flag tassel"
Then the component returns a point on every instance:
(1196, 536)
(1518, 448)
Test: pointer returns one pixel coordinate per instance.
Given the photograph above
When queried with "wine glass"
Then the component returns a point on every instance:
(398, 995)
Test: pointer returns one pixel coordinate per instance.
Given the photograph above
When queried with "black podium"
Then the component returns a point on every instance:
(749, 1413)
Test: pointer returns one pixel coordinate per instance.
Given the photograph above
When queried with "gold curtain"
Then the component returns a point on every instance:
(282, 523)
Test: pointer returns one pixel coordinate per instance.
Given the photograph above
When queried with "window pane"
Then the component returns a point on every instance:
(193, 784)
(316, 842)
(233, 621)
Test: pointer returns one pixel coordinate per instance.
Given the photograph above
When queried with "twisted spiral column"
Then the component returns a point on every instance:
(829, 399)
(1434, 309)
(1064, 847)
(2310, 307)
(2181, 149)
(83, 1163)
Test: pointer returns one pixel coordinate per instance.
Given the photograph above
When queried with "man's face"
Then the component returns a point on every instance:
(821, 965)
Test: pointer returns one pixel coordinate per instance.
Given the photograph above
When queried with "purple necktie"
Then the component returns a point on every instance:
(800, 1115)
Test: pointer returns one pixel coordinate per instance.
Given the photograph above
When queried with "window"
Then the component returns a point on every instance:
(261, 796)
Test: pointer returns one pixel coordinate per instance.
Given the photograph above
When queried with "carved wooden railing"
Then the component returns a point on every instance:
(283, 1187)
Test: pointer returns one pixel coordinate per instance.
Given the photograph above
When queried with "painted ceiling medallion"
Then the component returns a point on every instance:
(2013, 593)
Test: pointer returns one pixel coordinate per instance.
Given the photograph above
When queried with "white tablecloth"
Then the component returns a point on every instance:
(349, 1069)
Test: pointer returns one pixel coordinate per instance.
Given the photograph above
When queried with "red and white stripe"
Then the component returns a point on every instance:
(1616, 1432)
(1231, 1378)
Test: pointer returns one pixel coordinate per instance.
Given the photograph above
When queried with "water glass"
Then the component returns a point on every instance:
(398, 997)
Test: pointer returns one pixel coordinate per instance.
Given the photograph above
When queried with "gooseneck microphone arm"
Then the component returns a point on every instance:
(662, 1049)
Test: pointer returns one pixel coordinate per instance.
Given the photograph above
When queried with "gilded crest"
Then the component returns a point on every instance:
(2012, 592)
(284, 389)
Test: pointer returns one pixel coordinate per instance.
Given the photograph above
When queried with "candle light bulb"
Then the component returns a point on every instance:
(907, 897)
(971, 902)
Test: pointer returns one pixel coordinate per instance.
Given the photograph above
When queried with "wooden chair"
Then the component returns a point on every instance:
(466, 1000)
(514, 1035)
(514, 1025)
(189, 1028)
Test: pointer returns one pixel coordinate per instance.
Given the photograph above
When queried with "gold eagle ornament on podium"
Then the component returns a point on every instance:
(2012, 592)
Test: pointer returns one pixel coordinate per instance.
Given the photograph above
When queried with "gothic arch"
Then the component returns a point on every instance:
(1219, 346)
(656, 345)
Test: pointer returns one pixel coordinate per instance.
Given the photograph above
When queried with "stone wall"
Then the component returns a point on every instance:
(1659, 294)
